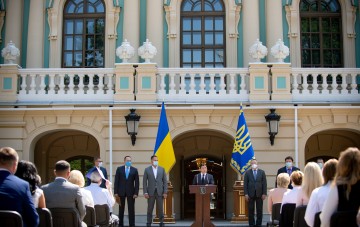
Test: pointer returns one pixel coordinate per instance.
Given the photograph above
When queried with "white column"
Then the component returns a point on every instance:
(35, 35)
(131, 25)
(14, 16)
(154, 25)
(251, 26)
(274, 26)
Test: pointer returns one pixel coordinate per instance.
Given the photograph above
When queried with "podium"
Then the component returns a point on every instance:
(202, 204)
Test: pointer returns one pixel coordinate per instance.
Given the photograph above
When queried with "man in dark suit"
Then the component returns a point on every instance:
(14, 192)
(155, 189)
(203, 178)
(126, 186)
(97, 164)
(255, 192)
(288, 168)
(61, 193)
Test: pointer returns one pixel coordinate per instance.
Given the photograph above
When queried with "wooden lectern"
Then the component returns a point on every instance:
(202, 207)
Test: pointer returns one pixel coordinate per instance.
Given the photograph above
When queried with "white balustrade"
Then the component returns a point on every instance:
(203, 85)
(60, 85)
(337, 85)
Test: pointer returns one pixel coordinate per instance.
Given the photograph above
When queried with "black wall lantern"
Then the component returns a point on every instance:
(273, 123)
(132, 125)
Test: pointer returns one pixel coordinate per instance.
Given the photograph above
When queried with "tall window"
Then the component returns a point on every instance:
(202, 34)
(83, 34)
(321, 40)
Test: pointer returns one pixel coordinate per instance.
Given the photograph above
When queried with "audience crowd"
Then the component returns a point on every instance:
(327, 187)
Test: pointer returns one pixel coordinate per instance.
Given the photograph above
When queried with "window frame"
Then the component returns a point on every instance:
(320, 15)
(202, 14)
(83, 17)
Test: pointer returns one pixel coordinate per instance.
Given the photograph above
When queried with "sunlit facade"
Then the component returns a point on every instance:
(66, 94)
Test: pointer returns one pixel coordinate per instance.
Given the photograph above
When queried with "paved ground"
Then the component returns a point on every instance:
(187, 223)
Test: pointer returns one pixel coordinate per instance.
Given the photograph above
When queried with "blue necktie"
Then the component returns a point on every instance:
(255, 174)
(127, 172)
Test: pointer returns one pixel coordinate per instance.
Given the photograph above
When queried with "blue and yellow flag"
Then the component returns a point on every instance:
(163, 147)
(243, 151)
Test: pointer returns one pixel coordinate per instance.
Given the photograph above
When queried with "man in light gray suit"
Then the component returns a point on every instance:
(255, 192)
(61, 193)
(155, 189)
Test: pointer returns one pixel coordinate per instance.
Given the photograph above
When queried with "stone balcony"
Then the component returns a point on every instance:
(145, 83)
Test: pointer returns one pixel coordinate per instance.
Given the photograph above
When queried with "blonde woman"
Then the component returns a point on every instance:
(344, 195)
(77, 178)
(276, 194)
(319, 195)
(312, 179)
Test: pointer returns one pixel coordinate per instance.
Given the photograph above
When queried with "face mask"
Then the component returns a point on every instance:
(254, 166)
(320, 165)
(100, 164)
(155, 163)
(288, 164)
(128, 163)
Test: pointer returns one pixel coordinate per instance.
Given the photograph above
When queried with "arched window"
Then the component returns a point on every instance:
(202, 40)
(321, 39)
(84, 34)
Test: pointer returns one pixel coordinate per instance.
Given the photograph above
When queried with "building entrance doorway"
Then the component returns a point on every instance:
(215, 167)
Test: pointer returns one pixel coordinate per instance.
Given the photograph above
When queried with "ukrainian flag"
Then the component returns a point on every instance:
(163, 147)
(243, 151)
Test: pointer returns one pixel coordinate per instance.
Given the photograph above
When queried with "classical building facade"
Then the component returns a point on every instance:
(71, 70)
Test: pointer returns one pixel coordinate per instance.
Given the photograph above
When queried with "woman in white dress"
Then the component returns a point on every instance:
(27, 171)
(77, 178)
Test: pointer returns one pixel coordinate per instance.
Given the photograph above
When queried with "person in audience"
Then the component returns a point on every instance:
(101, 195)
(276, 194)
(312, 179)
(14, 192)
(77, 178)
(27, 171)
(319, 195)
(98, 165)
(288, 168)
(61, 193)
(320, 162)
(344, 194)
(296, 181)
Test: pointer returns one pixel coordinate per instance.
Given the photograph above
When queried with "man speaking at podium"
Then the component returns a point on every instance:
(203, 178)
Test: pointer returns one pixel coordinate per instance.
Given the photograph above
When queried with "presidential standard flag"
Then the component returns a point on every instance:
(163, 147)
(243, 151)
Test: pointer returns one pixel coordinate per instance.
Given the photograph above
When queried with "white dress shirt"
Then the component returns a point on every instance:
(87, 197)
(330, 206)
(100, 195)
(154, 171)
(290, 196)
(316, 202)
